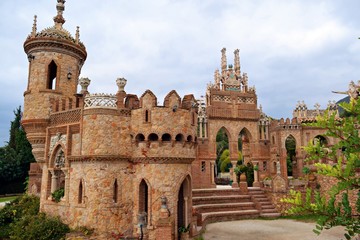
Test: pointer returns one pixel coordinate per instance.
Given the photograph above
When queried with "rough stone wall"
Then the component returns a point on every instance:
(163, 180)
(163, 120)
(37, 96)
(105, 132)
(98, 209)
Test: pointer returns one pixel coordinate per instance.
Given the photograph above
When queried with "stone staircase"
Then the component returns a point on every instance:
(216, 205)
(267, 209)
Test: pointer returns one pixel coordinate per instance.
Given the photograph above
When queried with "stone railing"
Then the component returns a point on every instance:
(100, 100)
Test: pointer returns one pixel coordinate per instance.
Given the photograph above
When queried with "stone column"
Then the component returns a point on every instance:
(200, 127)
(67, 186)
(212, 169)
(233, 174)
(256, 176)
(205, 128)
(53, 181)
(262, 130)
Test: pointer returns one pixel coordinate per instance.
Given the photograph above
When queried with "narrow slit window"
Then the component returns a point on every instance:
(52, 72)
(80, 196)
(115, 193)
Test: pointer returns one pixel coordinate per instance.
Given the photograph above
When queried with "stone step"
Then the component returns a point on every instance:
(215, 192)
(267, 206)
(221, 199)
(264, 199)
(270, 210)
(227, 216)
(270, 215)
(222, 207)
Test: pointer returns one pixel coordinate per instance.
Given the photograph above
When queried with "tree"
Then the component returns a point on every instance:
(345, 155)
(16, 156)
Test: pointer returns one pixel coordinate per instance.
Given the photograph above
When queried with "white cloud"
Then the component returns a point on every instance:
(292, 50)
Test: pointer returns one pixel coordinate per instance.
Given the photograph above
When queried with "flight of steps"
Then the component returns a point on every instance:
(216, 205)
(267, 209)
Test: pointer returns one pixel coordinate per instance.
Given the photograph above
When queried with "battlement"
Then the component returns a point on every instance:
(304, 114)
(287, 123)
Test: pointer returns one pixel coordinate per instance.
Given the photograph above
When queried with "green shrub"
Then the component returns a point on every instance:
(13, 211)
(58, 194)
(39, 227)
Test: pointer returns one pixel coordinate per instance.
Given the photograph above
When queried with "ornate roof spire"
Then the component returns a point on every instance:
(34, 28)
(77, 35)
(59, 19)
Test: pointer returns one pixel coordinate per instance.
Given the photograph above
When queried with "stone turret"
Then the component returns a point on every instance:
(55, 61)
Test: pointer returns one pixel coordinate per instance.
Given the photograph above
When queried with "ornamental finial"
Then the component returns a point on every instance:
(59, 19)
(77, 35)
(34, 28)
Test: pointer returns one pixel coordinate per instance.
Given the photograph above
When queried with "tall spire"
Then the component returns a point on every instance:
(34, 28)
(223, 61)
(59, 19)
(237, 62)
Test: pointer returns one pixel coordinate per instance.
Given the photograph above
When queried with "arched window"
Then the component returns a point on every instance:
(179, 138)
(166, 137)
(52, 73)
(143, 201)
(189, 138)
(153, 137)
(80, 193)
(193, 118)
(115, 191)
(140, 137)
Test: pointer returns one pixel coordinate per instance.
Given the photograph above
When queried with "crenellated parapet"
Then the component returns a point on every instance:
(304, 114)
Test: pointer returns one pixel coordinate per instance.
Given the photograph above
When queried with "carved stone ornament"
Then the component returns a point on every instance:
(121, 82)
(54, 140)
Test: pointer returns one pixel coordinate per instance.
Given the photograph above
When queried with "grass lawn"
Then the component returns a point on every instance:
(5, 199)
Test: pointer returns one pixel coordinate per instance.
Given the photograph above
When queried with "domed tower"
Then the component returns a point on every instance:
(55, 61)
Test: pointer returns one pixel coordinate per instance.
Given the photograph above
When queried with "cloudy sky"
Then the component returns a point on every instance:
(292, 50)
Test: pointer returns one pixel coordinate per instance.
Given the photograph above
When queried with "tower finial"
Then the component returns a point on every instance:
(34, 28)
(59, 19)
(223, 61)
(77, 35)
(237, 62)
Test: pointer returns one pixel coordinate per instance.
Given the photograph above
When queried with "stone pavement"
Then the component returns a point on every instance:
(268, 230)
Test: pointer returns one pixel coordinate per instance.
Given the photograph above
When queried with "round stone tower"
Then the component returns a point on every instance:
(55, 61)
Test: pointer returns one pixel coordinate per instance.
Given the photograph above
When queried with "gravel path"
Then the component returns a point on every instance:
(268, 230)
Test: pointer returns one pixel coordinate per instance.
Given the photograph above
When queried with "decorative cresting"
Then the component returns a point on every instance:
(304, 114)
(56, 37)
(230, 78)
(100, 100)
(202, 119)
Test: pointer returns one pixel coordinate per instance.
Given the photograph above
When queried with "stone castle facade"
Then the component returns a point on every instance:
(128, 165)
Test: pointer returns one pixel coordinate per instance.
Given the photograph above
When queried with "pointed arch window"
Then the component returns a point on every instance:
(116, 190)
(52, 75)
(80, 194)
(143, 197)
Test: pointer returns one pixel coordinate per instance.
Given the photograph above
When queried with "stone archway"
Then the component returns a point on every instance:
(184, 205)
(290, 146)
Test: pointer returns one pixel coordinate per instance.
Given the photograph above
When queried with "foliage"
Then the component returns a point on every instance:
(306, 170)
(39, 227)
(290, 145)
(184, 229)
(13, 211)
(16, 156)
(58, 194)
(222, 144)
(346, 154)
(224, 161)
(21, 220)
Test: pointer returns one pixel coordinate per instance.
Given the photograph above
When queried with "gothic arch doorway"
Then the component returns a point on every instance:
(290, 145)
(184, 205)
(223, 162)
(244, 145)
